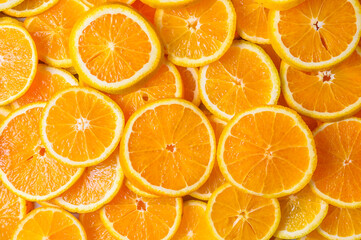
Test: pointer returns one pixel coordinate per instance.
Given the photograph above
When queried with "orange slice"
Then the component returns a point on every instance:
(190, 84)
(146, 11)
(168, 3)
(4, 112)
(47, 82)
(313, 236)
(26, 168)
(9, 20)
(197, 34)
(6, 4)
(50, 223)
(339, 164)
(267, 151)
(280, 4)
(272, 54)
(138, 190)
(243, 78)
(233, 214)
(92, 3)
(81, 126)
(51, 30)
(18, 60)
(29, 8)
(168, 147)
(94, 227)
(159, 217)
(127, 51)
(194, 223)
(312, 35)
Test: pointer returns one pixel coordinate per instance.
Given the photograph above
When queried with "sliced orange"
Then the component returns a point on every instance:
(194, 223)
(168, 147)
(47, 81)
(4, 112)
(113, 47)
(168, 3)
(190, 84)
(243, 78)
(9, 20)
(50, 223)
(146, 11)
(137, 189)
(26, 168)
(92, 3)
(18, 60)
(159, 218)
(81, 126)
(313, 236)
(51, 30)
(336, 178)
(94, 227)
(233, 214)
(6, 4)
(312, 35)
(29, 8)
(197, 34)
(280, 4)
(267, 151)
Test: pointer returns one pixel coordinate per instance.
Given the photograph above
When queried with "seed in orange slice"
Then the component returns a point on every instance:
(18, 60)
(168, 4)
(313, 35)
(49, 223)
(280, 4)
(190, 84)
(29, 8)
(26, 168)
(243, 78)
(94, 227)
(92, 3)
(127, 51)
(145, 10)
(159, 217)
(81, 126)
(168, 147)
(137, 189)
(4, 112)
(233, 214)
(313, 236)
(198, 34)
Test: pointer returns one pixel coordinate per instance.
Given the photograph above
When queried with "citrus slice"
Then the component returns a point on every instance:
(26, 168)
(18, 59)
(328, 95)
(243, 78)
(6, 4)
(341, 224)
(252, 21)
(138, 190)
(267, 151)
(190, 84)
(280, 4)
(159, 217)
(10, 20)
(194, 223)
(4, 112)
(197, 34)
(50, 223)
(312, 35)
(272, 54)
(96, 187)
(51, 30)
(313, 236)
(168, 147)
(128, 50)
(92, 3)
(94, 227)
(47, 81)
(146, 11)
(301, 213)
(29, 8)
(339, 164)
(81, 126)
(233, 214)
(168, 3)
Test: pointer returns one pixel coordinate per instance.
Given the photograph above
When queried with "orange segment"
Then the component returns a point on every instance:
(147, 11)
(92, 3)
(25, 166)
(313, 236)
(94, 227)
(30, 8)
(190, 84)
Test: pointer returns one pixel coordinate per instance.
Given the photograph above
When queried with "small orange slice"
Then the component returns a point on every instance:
(313, 236)
(94, 227)
(30, 8)
(146, 11)
(190, 84)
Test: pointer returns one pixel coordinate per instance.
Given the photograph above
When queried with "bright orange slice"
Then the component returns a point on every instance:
(127, 51)
(313, 236)
(159, 217)
(233, 214)
(280, 4)
(92, 3)
(168, 147)
(25, 166)
(312, 35)
(243, 78)
(30, 8)
(146, 11)
(18, 60)
(94, 227)
(50, 223)
(268, 151)
(190, 84)
(197, 34)
(81, 126)
(336, 178)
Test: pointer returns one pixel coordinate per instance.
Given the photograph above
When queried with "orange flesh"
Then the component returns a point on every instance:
(190, 84)
(273, 55)
(99, 2)
(94, 228)
(146, 11)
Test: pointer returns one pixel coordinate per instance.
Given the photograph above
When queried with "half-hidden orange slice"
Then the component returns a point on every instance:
(94, 227)
(190, 84)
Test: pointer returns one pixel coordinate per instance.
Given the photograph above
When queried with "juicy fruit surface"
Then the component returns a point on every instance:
(94, 227)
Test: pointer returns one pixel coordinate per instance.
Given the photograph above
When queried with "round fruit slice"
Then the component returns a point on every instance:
(301, 213)
(313, 236)
(194, 223)
(336, 178)
(4, 112)
(127, 51)
(313, 34)
(243, 78)
(280, 4)
(92, 3)
(138, 190)
(145, 10)
(25, 166)
(6, 4)
(81, 126)
(233, 214)
(168, 3)
(190, 84)
(47, 82)
(341, 224)
(29, 8)
(159, 217)
(267, 151)
(96, 187)
(197, 34)
(49, 223)
(18, 60)
(94, 227)
(328, 95)
(168, 147)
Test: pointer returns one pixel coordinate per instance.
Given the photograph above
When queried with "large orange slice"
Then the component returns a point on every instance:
(28, 8)
(190, 84)
(313, 35)
(25, 166)
(94, 227)
(168, 147)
